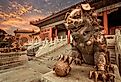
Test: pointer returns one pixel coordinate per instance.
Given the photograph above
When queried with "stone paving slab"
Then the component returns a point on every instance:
(23, 74)
(32, 70)
(36, 71)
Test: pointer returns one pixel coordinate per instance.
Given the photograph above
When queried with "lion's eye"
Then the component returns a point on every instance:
(84, 34)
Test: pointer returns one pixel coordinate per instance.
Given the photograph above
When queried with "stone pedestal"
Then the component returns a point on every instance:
(77, 74)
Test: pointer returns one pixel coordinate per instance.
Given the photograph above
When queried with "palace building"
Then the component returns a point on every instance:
(24, 36)
(109, 12)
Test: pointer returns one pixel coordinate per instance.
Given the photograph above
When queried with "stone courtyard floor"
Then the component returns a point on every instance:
(40, 70)
(32, 70)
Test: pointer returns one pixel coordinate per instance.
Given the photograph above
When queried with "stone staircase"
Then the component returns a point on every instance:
(50, 58)
(51, 46)
(111, 47)
(114, 47)
(12, 59)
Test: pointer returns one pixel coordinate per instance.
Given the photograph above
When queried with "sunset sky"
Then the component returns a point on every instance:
(16, 14)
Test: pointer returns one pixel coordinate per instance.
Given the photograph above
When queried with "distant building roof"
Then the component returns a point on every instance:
(37, 33)
(2, 32)
(24, 31)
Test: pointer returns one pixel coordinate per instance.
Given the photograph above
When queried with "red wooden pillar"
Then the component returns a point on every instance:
(105, 22)
(41, 34)
(56, 32)
(68, 36)
(50, 34)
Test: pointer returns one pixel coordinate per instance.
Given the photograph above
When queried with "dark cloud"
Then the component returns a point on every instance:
(46, 6)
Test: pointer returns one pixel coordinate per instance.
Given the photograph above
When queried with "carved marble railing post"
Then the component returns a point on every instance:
(71, 38)
(118, 45)
(61, 38)
(46, 41)
(40, 40)
(51, 40)
(66, 38)
(49, 46)
(57, 39)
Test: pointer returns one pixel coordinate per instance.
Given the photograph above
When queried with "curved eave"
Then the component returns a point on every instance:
(94, 3)
(55, 15)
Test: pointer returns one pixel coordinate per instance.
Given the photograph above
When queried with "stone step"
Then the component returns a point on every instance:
(112, 54)
(11, 65)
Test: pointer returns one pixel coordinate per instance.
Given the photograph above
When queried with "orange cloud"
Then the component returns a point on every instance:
(19, 18)
(12, 24)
